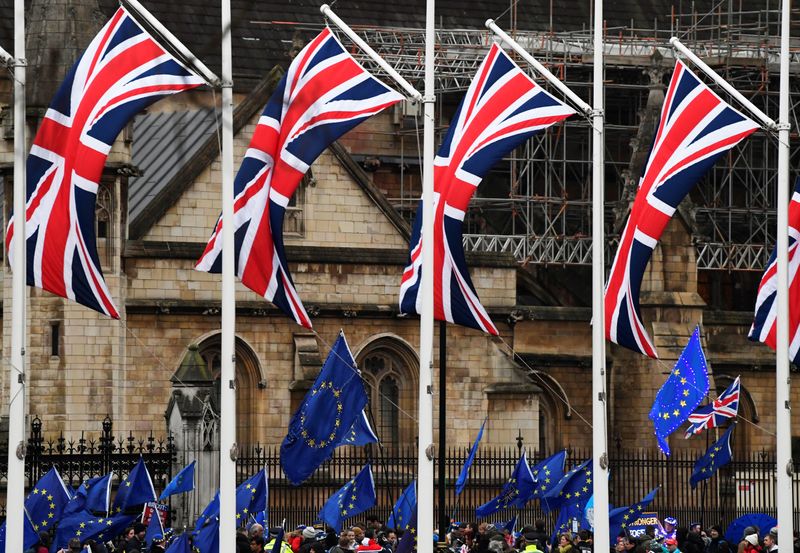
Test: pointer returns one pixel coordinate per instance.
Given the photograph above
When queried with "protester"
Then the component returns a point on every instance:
(672, 545)
(771, 541)
(717, 544)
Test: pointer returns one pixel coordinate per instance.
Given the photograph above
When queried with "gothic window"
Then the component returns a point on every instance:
(248, 383)
(388, 367)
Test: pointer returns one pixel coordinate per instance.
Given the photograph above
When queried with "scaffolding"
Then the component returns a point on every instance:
(536, 206)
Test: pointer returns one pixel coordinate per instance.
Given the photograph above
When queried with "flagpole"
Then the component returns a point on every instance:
(425, 516)
(783, 429)
(599, 431)
(227, 419)
(15, 491)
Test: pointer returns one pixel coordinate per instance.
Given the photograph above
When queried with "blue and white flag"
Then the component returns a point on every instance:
(464, 474)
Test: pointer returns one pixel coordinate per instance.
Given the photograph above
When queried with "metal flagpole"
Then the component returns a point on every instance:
(425, 517)
(15, 492)
(227, 419)
(783, 430)
(599, 431)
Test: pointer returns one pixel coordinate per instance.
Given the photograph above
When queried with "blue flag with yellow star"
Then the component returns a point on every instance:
(548, 473)
(516, 492)
(621, 518)
(718, 455)
(155, 531)
(45, 504)
(206, 539)
(683, 391)
(84, 526)
(209, 513)
(572, 491)
(183, 482)
(180, 544)
(135, 489)
(406, 506)
(361, 433)
(29, 536)
(408, 541)
(352, 499)
(251, 497)
(326, 414)
(94, 495)
(461, 482)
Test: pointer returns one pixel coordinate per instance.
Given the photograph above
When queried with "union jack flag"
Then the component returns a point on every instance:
(324, 94)
(726, 406)
(695, 129)
(764, 327)
(501, 110)
(121, 72)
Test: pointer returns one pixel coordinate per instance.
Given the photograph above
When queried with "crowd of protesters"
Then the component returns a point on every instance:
(375, 537)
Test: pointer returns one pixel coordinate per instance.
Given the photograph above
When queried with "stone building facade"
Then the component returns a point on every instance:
(157, 367)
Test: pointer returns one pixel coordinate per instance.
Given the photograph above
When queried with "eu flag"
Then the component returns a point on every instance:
(573, 490)
(619, 519)
(361, 433)
(464, 474)
(183, 482)
(718, 455)
(84, 526)
(352, 499)
(94, 495)
(516, 492)
(29, 534)
(406, 506)
(46, 501)
(251, 497)
(206, 540)
(180, 544)
(408, 541)
(548, 472)
(135, 489)
(683, 391)
(327, 412)
(209, 513)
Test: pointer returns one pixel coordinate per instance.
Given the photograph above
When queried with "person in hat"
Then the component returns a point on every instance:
(136, 543)
(309, 538)
(671, 543)
(717, 543)
(751, 544)
(771, 541)
(667, 529)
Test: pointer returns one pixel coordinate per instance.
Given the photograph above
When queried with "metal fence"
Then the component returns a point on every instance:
(745, 485)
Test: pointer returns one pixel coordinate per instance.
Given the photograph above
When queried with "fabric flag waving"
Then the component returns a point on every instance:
(155, 531)
(94, 495)
(695, 129)
(45, 503)
(718, 455)
(251, 496)
(352, 499)
(206, 539)
(85, 526)
(121, 72)
(516, 492)
(464, 474)
(503, 107)
(183, 482)
(209, 513)
(572, 492)
(619, 519)
(408, 541)
(683, 391)
(324, 94)
(548, 473)
(725, 407)
(764, 327)
(329, 409)
(180, 544)
(405, 507)
(135, 489)
(361, 433)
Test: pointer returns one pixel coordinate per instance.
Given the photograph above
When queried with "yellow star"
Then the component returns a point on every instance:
(128, 484)
(666, 416)
(683, 381)
(683, 403)
(676, 412)
(686, 393)
(677, 372)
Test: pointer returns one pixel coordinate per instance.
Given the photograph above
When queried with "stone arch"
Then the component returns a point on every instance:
(554, 387)
(249, 379)
(390, 368)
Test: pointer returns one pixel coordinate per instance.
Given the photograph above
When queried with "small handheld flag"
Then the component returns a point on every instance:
(405, 507)
(571, 492)
(620, 519)
(135, 489)
(464, 474)
(725, 407)
(183, 482)
(516, 492)
(352, 499)
(155, 531)
(682, 392)
(718, 455)
(548, 473)
(46, 502)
